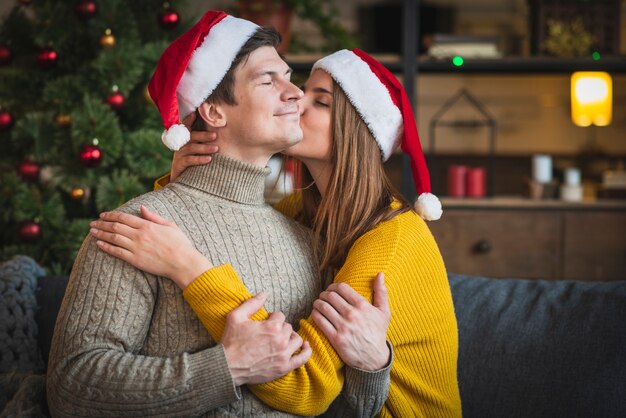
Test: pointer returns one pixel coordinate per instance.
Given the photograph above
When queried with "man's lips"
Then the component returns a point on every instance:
(286, 114)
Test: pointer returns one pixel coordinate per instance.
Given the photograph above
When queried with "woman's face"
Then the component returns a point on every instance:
(315, 119)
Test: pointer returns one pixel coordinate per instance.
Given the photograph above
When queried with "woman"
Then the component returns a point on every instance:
(354, 114)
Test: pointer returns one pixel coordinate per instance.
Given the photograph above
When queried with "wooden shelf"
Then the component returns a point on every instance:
(510, 65)
(517, 202)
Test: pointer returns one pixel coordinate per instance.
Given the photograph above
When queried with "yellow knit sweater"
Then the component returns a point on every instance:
(423, 328)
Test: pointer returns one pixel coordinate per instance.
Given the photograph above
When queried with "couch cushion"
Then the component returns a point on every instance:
(530, 348)
(18, 330)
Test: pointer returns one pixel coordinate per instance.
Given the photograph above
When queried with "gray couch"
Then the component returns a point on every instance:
(526, 348)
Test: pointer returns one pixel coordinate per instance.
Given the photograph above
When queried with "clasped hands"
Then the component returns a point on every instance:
(261, 351)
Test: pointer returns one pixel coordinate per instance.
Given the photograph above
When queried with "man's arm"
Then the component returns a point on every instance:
(364, 393)
(101, 328)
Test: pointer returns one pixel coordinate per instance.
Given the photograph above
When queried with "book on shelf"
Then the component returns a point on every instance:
(446, 46)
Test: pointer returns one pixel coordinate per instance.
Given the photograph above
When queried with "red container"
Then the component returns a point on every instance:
(456, 180)
(475, 182)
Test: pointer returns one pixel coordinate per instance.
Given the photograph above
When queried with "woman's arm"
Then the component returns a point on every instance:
(307, 390)
(219, 290)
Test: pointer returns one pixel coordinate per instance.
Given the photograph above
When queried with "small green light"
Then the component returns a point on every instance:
(595, 55)
(457, 61)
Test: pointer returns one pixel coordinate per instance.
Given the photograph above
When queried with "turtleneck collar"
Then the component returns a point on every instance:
(229, 179)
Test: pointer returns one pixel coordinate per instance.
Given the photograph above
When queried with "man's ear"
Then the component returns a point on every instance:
(212, 114)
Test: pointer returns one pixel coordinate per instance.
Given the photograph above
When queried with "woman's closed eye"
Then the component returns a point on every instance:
(323, 104)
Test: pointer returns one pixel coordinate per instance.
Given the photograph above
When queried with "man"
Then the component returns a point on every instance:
(126, 342)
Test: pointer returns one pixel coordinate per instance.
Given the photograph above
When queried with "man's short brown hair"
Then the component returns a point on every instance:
(225, 90)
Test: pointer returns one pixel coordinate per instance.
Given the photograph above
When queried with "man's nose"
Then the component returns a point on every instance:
(292, 92)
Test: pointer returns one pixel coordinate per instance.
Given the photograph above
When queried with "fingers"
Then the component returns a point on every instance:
(148, 215)
(117, 240)
(381, 296)
(199, 148)
(99, 228)
(302, 357)
(248, 308)
(203, 136)
(295, 342)
(188, 121)
(324, 324)
(192, 160)
(123, 218)
(337, 302)
(350, 295)
(278, 317)
(115, 251)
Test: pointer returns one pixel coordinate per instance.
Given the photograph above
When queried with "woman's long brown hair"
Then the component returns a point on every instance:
(358, 195)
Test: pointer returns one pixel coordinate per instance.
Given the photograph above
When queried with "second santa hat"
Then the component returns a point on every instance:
(380, 99)
(192, 67)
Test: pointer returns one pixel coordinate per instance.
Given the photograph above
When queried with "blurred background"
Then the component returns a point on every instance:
(493, 91)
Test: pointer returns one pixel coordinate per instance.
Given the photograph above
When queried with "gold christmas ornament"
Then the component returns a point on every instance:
(77, 193)
(63, 120)
(107, 40)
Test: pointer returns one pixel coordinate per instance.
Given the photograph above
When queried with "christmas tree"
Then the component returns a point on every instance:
(79, 131)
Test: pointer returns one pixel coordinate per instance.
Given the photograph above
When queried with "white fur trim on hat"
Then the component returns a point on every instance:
(211, 61)
(368, 95)
(428, 207)
(175, 137)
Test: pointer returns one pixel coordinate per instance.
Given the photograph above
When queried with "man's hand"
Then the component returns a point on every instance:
(261, 351)
(354, 327)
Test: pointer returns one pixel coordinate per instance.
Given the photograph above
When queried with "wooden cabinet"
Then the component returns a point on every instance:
(535, 240)
(594, 245)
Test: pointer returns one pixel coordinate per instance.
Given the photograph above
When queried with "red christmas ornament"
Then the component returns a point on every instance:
(169, 18)
(6, 121)
(85, 9)
(47, 58)
(116, 100)
(28, 170)
(30, 231)
(90, 155)
(6, 55)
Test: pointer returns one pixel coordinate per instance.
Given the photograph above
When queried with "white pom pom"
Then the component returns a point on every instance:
(428, 207)
(175, 137)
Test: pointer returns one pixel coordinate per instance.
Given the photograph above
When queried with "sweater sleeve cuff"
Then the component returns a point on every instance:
(211, 379)
(365, 381)
(161, 182)
(221, 280)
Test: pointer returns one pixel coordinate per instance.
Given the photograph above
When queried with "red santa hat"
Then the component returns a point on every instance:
(382, 102)
(192, 67)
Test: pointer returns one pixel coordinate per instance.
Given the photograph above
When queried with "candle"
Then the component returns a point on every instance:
(456, 180)
(475, 182)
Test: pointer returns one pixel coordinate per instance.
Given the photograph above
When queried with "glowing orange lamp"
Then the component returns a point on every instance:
(592, 98)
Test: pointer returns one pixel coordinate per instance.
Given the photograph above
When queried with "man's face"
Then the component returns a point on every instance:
(266, 118)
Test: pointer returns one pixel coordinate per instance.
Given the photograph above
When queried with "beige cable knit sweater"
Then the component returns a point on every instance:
(127, 343)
